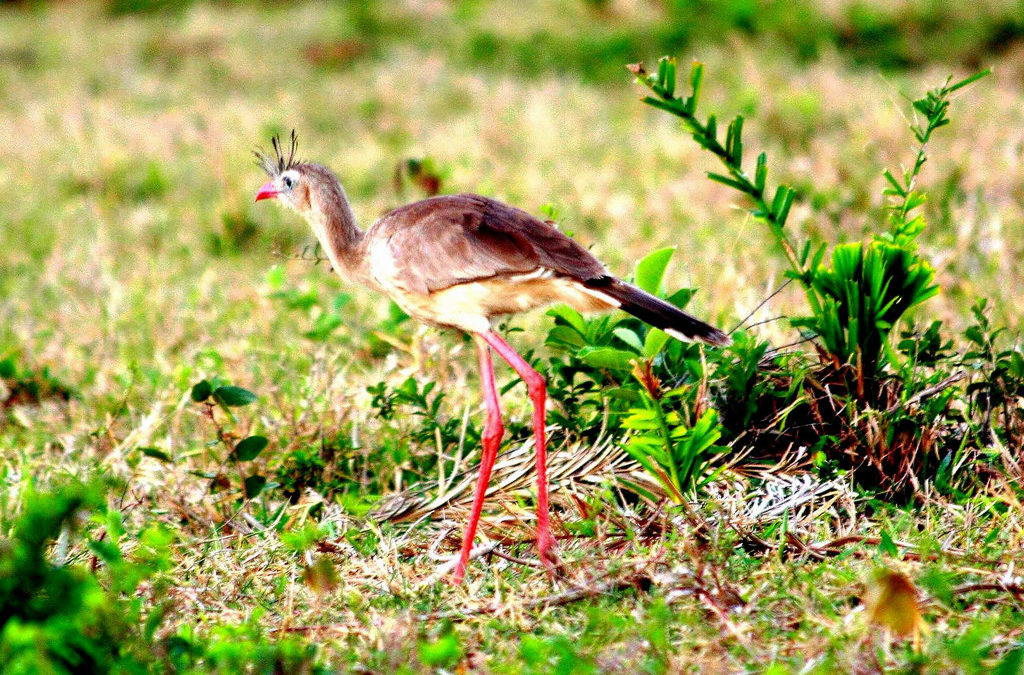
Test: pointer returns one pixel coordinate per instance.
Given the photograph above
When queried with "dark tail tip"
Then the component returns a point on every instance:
(693, 329)
(659, 313)
(716, 337)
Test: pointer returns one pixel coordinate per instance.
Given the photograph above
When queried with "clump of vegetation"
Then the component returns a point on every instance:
(238, 452)
(55, 618)
(861, 405)
(891, 413)
(615, 374)
(27, 386)
(61, 616)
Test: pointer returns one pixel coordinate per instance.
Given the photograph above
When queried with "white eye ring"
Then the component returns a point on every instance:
(288, 182)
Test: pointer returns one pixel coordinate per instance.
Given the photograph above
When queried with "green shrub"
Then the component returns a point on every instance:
(58, 618)
(860, 405)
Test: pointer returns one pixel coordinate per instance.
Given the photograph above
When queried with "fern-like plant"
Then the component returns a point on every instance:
(678, 454)
(858, 298)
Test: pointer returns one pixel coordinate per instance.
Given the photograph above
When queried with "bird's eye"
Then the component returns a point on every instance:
(288, 182)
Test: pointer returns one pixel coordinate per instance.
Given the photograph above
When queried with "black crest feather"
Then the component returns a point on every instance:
(278, 163)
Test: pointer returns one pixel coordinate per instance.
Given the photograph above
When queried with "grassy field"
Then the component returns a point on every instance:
(134, 264)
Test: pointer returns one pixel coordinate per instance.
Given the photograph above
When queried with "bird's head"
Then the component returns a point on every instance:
(288, 180)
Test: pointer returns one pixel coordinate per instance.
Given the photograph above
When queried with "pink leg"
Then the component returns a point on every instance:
(537, 390)
(493, 432)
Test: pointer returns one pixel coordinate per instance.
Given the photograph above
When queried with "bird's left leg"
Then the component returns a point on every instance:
(537, 389)
(491, 439)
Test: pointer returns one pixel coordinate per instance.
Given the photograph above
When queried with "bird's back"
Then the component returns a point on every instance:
(448, 240)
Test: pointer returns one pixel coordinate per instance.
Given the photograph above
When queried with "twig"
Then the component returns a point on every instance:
(444, 569)
(778, 350)
(519, 561)
(772, 319)
(925, 393)
(1013, 589)
(568, 597)
(759, 306)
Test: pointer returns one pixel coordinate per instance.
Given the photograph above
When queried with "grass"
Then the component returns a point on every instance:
(133, 264)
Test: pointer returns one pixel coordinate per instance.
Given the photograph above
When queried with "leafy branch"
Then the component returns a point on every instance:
(775, 213)
(933, 106)
(859, 295)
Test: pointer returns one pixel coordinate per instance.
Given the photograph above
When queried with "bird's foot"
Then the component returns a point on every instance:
(548, 556)
(456, 578)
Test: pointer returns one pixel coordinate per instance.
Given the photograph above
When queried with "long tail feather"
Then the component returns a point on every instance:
(655, 311)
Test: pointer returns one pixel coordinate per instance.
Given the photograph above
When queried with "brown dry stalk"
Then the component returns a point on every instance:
(636, 579)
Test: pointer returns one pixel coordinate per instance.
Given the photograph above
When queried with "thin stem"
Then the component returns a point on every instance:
(774, 214)
(666, 435)
(933, 106)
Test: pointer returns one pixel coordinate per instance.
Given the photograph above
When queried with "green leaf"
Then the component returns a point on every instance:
(669, 80)
(629, 337)
(896, 187)
(250, 448)
(734, 141)
(201, 391)
(324, 325)
(445, 652)
(668, 106)
(396, 314)
(681, 298)
(623, 394)
(696, 76)
(781, 209)
(564, 337)
(234, 397)
(570, 316)
(731, 182)
(655, 342)
(607, 357)
(114, 523)
(761, 174)
(106, 551)
(1012, 663)
(887, 546)
(156, 453)
(275, 277)
(254, 485)
(651, 269)
(968, 80)
(7, 368)
(155, 618)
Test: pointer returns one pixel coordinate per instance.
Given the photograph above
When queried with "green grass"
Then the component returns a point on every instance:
(133, 264)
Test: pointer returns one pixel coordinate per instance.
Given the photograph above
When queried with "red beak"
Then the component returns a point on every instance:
(268, 191)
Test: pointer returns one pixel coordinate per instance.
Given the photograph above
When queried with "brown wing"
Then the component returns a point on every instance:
(444, 241)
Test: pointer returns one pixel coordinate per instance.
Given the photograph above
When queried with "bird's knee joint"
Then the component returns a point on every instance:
(493, 432)
(536, 382)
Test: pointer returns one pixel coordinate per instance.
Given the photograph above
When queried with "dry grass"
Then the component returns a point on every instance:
(133, 263)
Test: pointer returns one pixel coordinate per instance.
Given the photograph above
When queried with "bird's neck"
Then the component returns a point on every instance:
(335, 227)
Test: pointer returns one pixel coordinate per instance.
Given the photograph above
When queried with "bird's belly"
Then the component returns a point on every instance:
(470, 306)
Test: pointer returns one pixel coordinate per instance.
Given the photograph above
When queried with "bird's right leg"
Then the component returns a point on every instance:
(537, 389)
(493, 432)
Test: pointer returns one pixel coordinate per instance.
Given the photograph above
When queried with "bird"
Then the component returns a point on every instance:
(459, 261)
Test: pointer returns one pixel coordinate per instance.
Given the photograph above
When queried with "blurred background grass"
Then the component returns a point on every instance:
(133, 261)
